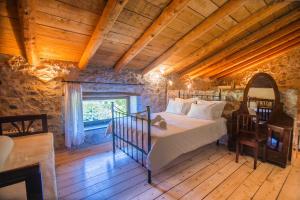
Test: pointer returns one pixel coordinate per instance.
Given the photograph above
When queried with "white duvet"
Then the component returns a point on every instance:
(183, 134)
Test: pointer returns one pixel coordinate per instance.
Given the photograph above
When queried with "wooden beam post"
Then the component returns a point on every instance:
(249, 53)
(264, 44)
(26, 10)
(109, 15)
(197, 32)
(271, 54)
(224, 39)
(168, 14)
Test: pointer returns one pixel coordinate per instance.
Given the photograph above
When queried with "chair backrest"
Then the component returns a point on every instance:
(22, 125)
(247, 124)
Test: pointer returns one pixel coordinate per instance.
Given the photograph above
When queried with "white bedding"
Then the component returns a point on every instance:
(183, 134)
(29, 150)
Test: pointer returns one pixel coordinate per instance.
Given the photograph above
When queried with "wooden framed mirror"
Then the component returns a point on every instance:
(261, 96)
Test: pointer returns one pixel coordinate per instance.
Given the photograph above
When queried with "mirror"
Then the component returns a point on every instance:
(261, 96)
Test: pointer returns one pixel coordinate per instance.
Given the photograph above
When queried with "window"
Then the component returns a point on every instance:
(99, 111)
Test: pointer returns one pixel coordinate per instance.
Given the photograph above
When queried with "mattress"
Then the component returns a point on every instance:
(183, 134)
(29, 150)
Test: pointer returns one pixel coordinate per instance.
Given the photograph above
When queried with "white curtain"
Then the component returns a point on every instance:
(74, 131)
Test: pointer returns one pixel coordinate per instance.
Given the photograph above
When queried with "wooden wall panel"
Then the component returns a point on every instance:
(227, 22)
(10, 37)
(61, 34)
(240, 14)
(190, 17)
(204, 7)
(133, 19)
(9, 9)
(67, 11)
(63, 24)
(95, 6)
(127, 30)
(254, 5)
(56, 49)
(160, 3)
(144, 8)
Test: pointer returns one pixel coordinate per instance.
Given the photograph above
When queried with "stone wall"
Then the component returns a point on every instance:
(152, 89)
(22, 92)
(196, 84)
(37, 90)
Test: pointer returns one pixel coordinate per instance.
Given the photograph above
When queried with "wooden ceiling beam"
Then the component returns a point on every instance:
(247, 56)
(271, 54)
(277, 38)
(26, 10)
(168, 14)
(232, 33)
(197, 32)
(112, 10)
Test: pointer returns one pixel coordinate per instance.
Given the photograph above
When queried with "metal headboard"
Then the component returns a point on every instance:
(207, 97)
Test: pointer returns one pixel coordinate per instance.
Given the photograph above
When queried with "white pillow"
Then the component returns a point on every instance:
(186, 104)
(175, 107)
(218, 109)
(6, 145)
(216, 106)
(201, 111)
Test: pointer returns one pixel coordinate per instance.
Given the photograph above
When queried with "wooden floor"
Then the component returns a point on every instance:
(207, 173)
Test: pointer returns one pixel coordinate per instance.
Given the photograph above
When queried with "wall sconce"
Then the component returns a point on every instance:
(189, 83)
(170, 83)
(162, 70)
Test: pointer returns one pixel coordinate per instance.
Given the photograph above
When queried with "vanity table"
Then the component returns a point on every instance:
(262, 98)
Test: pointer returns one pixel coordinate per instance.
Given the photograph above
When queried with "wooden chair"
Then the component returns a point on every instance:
(249, 134)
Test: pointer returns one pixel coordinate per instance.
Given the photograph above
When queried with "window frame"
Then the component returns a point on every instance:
(106, 98)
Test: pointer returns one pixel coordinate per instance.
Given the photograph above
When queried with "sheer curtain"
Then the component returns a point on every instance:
(74, 131)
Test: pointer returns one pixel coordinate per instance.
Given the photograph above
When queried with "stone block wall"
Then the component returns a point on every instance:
(37, 90)
(152, 89)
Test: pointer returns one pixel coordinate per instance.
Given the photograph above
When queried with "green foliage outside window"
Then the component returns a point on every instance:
(94, 110)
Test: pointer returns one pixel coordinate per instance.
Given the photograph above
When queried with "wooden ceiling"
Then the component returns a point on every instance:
(195, 38)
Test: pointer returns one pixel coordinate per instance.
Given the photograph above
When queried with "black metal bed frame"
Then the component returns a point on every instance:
(123, 137)
(127, 140)
(208, 97)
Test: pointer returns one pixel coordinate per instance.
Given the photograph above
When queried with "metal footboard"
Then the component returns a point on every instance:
(132, 134)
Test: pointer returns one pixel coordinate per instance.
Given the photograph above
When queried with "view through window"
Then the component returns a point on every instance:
(100, 110)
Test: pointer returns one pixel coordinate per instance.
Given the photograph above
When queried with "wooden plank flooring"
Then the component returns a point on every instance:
(206, 173)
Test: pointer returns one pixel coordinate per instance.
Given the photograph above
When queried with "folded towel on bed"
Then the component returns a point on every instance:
(159, 122)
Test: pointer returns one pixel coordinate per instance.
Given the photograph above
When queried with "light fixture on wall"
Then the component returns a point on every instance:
(170, 82)
(189, 83)
(154, 76)
(162, 70)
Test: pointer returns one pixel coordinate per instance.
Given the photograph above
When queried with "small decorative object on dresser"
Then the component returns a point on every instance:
(272, 121)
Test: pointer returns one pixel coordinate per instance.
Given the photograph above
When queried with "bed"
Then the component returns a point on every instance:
(154, 147)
